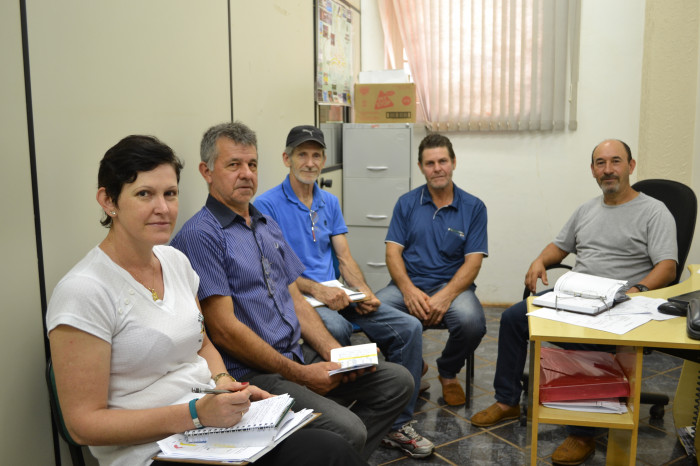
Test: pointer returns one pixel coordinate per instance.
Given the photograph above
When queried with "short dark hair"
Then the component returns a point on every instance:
(624, 144)
(235, 131)
(123, 162)
(432, 141)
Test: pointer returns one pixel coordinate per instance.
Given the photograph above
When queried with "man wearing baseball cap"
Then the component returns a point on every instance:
(312, 223)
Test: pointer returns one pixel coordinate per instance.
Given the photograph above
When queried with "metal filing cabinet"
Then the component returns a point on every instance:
(376, 172)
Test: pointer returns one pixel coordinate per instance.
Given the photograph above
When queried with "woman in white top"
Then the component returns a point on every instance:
(127, 336)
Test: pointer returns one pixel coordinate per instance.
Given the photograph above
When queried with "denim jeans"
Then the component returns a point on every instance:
(464, 321)
(398, 336)
(513, 336)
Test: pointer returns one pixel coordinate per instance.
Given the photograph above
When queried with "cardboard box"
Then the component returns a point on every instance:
(385, 103)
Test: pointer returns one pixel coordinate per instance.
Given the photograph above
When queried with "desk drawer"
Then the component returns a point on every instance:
(370, 202)
(368, 250)
(376, 151)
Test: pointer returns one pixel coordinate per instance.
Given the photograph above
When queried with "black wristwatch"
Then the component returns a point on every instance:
(641, 287)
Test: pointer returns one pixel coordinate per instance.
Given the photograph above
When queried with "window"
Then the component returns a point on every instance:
(487, 65)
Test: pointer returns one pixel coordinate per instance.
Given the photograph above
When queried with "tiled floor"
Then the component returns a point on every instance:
(459, 443)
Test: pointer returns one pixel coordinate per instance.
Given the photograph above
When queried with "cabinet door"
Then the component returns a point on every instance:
(370, 202)
(376, 151)
(368, 250)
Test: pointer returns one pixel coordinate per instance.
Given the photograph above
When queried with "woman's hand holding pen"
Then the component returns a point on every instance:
(228, 383)
(226, 409)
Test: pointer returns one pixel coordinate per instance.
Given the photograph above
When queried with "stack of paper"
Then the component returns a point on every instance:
(354, 296)
(609, 406)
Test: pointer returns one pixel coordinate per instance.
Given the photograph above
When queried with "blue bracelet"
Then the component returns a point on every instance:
(193, 413)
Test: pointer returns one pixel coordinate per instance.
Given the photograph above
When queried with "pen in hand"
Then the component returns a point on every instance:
(212, 391)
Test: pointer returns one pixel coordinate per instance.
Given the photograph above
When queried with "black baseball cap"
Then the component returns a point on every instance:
(305, 133)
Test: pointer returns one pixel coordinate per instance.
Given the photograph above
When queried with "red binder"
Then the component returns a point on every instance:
(568, 375)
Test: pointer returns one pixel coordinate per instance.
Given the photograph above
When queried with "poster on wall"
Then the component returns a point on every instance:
(334, 53)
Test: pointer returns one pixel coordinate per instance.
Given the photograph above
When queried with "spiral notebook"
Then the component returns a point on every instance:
(232, 447)
(263, 415)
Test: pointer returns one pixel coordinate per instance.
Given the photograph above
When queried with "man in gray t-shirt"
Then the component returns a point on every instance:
(624, 235)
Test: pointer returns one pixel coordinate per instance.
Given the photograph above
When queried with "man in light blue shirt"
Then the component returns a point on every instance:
(312, 223)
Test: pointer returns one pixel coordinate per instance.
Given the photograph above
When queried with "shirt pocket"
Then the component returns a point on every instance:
(452, 244)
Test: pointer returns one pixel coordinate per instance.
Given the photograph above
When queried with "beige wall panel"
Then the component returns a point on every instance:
(273, 75)
(669, 85)
(103, 70)
(694, 255)
(26, 436)
(669, 99)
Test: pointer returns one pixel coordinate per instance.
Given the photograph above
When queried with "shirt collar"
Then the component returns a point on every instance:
(426, 198)
(316, 203)
(225, 216)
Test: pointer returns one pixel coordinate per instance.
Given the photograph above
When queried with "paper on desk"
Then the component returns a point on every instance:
(641, 305)
(609, 405)
(606, 322)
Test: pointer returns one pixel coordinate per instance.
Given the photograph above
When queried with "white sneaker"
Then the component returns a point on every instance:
(410, 441)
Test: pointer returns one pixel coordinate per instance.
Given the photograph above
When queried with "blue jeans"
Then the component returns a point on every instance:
(513, 336)
(464, 321)
(398, 336)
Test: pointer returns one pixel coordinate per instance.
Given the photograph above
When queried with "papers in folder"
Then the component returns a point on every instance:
(352, 294)
(579, 292)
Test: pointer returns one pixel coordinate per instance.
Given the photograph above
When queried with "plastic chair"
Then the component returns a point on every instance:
(76, 451)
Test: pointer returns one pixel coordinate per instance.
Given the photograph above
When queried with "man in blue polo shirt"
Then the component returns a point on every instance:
(313, 225)
(434, 248)
(254, 312)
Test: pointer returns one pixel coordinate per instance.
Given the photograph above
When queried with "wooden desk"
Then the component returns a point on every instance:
(622, 439)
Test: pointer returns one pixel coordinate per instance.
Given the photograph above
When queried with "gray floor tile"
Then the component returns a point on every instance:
(459, 443)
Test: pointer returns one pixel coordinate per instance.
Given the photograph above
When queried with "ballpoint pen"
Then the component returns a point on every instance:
(212, 391)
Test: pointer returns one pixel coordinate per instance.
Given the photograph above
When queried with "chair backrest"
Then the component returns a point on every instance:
(681, 201)
(75, 448)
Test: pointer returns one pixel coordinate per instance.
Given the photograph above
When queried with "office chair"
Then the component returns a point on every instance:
(681, 201)
(76, 451)
(683, 205)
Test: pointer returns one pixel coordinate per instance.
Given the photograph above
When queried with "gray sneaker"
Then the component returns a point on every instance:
(410, 441)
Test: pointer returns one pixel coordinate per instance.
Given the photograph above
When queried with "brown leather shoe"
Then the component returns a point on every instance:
(575, 450)
(452, 393)
(494, 414)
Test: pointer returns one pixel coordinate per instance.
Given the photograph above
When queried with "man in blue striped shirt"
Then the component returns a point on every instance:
(254, 311)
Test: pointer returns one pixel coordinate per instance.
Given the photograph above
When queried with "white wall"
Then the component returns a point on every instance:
(273, 75)
(531, 182)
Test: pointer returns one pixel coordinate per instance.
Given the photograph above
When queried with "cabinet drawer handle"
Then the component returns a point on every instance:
(376, 264)
(377, 168)
(376, 217)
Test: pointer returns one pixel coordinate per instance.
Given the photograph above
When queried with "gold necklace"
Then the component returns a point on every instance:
(154, 294)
